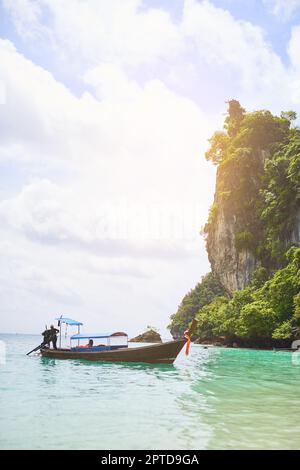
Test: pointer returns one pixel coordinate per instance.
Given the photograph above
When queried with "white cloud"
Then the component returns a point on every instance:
(125, 37)
(97, 30)
(283, 8)
(239, 51)
(47, 213)
(294, 48)
(121, 160)
(115, 186)
(294, 72)
(27, 17)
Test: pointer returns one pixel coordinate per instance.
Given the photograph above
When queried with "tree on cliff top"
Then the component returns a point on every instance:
(258, 130)
(235, 114)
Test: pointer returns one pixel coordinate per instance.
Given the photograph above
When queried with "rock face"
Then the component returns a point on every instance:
(233, 267)
(149, 336)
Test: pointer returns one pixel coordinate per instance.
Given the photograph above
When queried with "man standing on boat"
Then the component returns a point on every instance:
(53, 336)
(50, 336)
(46, 335)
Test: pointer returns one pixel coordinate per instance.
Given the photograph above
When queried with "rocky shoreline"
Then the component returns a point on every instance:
(244, 344)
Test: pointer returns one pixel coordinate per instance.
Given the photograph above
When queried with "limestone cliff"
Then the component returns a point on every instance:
(231, 266)
(256, 211)
(252, 235)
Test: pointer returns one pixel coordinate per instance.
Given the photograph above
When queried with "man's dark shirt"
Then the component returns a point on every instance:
(50, 334)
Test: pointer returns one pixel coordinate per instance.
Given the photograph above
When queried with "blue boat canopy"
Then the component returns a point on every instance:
(68, 321)
(97, 335)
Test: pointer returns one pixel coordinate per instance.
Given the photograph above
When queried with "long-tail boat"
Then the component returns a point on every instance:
(114, 347)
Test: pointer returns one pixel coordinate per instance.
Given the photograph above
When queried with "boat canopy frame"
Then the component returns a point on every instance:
(106, 336)
(98, 335)
(67, 321)
(78, 336)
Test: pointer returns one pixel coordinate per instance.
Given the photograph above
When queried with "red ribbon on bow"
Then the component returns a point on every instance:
(188, 343)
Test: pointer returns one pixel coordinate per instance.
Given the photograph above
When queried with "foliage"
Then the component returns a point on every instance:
(267, 312)
(261, 130)
(289, 115)
(218, 144)
(259, 277)
(152, 328)
(234, 118)
(281, 197)
(244, 240)
(283, 331)
(204, 292)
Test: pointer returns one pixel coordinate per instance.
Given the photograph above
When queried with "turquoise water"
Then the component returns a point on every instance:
(214, 399)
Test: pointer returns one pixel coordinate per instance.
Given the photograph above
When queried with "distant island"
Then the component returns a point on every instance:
(251, 297)
(151, 335)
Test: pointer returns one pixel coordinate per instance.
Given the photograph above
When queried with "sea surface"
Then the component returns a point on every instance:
(216, 398)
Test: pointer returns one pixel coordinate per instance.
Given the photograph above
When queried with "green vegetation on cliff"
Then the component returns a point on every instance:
(259, 313)
(258, 186)
(205, 292)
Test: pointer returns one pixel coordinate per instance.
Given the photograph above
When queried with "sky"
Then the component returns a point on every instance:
(105, 113)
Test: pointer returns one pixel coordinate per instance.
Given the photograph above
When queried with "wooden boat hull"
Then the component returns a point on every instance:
(163, 353)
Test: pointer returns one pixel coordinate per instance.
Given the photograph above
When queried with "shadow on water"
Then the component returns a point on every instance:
(124, 365)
